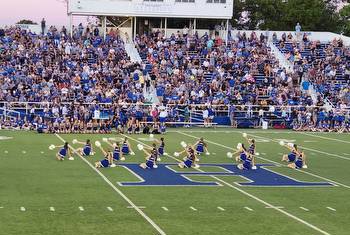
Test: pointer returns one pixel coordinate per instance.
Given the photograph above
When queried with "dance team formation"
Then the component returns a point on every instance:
(244, 155)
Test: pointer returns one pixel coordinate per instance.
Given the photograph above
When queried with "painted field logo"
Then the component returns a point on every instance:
(5, 138)
(164, 175)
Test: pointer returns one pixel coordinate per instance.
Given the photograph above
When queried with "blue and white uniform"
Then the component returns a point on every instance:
(190, 159)
(161, 148)
(251, 149)
(105, 162)
(247, 164)
(292, 156)
(63, 152)
(242, 156)
(299, 163)
(116, 153)
(87, 150)
(152, 159)
(200, 147)
(125, 148)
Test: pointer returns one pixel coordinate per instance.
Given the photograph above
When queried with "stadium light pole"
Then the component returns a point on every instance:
(165, 26)
(104, 27)
(226, 35)
(194, 26)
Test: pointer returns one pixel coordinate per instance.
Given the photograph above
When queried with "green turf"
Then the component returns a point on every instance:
(37, 181)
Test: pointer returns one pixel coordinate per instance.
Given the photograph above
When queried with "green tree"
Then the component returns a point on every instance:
(26, 22)
(313, 15)
(345, 18)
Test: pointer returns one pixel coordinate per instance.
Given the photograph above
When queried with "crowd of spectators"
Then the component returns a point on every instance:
(82, 74)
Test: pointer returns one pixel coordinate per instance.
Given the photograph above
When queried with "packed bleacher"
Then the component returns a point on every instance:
(54, 83)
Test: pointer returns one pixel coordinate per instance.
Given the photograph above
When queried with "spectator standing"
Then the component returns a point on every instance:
(298, 31)
(43, 26)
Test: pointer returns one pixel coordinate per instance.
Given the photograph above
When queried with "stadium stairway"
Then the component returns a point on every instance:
(132, 52)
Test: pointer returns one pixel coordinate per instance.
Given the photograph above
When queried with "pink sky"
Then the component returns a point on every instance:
(54, 11)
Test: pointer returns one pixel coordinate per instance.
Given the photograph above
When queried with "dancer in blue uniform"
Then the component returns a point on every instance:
(300, 161)
(107, 161)
(201, 146)
(117, 152)
(126, 148)
(190, 159)
(150, 159)
(291, 157)
(86, 150)
(63, 152)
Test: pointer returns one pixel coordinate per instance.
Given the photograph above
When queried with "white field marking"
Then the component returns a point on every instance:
(326, 138)
(303, 208)
(24, 152)
(6, 151)
(346, 154)
(280, 153)
(1, 207)
(312, 153)
(81, 208)
(164, 208)
(220, 208)
(192, 208)
(310, 141)
(263, 153)
(42, 152)
(22, 208)
(310, 149)
(140, 207)
(248, 208)
(52, 208)
(277, 163)
(280, 207)
(109, 208)
(330, 208)
(117, 190)
(252, 196)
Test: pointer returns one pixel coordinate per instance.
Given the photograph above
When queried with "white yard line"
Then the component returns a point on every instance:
(220, 208)
(52, 208)
(330, 208)
(140, 207)
(192, 208)
(303, 208)
(280, 207)
(277, 163)
(326, 138)
(164, 208)
(248, 208)
(109, 208)
(117, 190)
(256, 198)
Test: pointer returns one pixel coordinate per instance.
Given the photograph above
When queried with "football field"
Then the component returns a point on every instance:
(40, 195)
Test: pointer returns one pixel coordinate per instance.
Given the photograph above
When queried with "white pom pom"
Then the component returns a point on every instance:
(244, 135)
(71, 158)
(92, 153)
(140, 147)
(74, 141)
(196, 166)
(104, 139)
(207, 153)
(113, 165)
(52, 147)
(183, 144)
(305, 166)
(281, 142)
(291, 145)
(176, 154)
(98, 143)
(254, 168)
(151, 136)
(197, 159)
(132, 153)
(122, 159)
(159, 159)
(257, 154)
(155, 166)
(114, 145)
(229, 154)
(239, 146)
